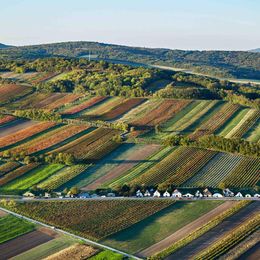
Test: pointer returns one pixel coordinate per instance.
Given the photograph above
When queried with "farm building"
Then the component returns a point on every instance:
(188, 195)
(139, 194)
(248, 196)
(228, 193)
(176, 194)
(166, 194)
(29, 194)
(239, 195)
(198, 194)
(147, 193)
(207, 193)
(157, 194)
(217, 195)
(257, 195)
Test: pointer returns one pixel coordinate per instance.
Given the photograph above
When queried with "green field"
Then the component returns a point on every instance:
(159, 226)
(47, 249)
(107, 255)
(12, 227)
(32, 178)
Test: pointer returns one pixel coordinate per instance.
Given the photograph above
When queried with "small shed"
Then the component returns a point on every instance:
(188, 195)
(228, 193)
(198, 194)
(248, 196)
(257, 195)
(29, 194)
(217, 195)
(207, 193)
(239, 195)
(157, 194)
(47, 195)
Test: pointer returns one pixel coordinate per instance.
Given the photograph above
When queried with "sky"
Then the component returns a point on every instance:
(175, 24)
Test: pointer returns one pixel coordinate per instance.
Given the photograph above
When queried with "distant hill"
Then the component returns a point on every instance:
(236, 64)
(2, 46)
(255, 50)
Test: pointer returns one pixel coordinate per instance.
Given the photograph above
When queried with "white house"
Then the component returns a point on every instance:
(147, 193)
(228, 193)
(188, 195)
(166, 194)
(29, 194)
(257, 195)
(176, 194)
(157, 194)
(239, 195)
(217, 195)
(47, 195)
(198, 194)
(139, 194)
(248, 196)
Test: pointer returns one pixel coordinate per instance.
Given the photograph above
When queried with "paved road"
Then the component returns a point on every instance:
(90, 242)
(215, 233)
(181, 233)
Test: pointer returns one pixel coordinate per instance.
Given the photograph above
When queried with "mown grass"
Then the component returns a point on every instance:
(107, 255)
(12, 227)
(44, 250)
(159, 226)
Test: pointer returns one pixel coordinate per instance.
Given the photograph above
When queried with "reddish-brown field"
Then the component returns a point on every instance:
(6, 119)
(67, 99)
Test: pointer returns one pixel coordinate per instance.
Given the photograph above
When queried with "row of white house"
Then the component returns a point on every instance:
(206, 193)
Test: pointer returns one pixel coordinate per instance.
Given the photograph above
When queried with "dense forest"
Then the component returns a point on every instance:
(237, 64)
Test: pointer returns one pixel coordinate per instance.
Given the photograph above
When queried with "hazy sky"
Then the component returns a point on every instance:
(176, 24)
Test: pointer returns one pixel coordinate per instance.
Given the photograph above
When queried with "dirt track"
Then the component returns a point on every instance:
(16, 126)
(215, 233)
(23, 243)
(3, 213)
(131, 161)
(185, 230)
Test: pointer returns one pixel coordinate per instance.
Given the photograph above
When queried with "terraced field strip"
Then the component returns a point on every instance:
(143, 152)
(161, 114)
(186, 230)
(245, 124)
(141, 110)
(121, 109)
(245, 174)
(253, 135)
(6, 119)
(53, 97)
(169, 125)
(188, 170)
(16, 126)
(32, 178)
(139, 169)
(23, 243)
(92, 219)
(63, 101)
(49, 139)
(166, 168)
(216, 121)
(46, 249)
(231, 239)
(7, 167)
(228, 130)
(84, 105)
(215, 171)
(82, 147)
(62, 177)
(16, 173)
(12, 92)
(103, 107)
(25, 133)
(213, 235)
(12, 227)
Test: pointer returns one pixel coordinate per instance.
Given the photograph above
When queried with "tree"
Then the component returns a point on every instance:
(74, 190)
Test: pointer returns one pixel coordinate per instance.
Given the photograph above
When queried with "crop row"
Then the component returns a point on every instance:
(17, 173)
(32, 178)
(122, 108)
(24, 133)
(92, 219)
(49, 139)
(6, 119)
(195, 163)
(216, 121)
(63, 176)
(215, 171)
(245, 174)
(166, 168)
(11, 92)
(230, 240)
(162, 113)
(247, 124)
(7, 167)
(84, 105)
